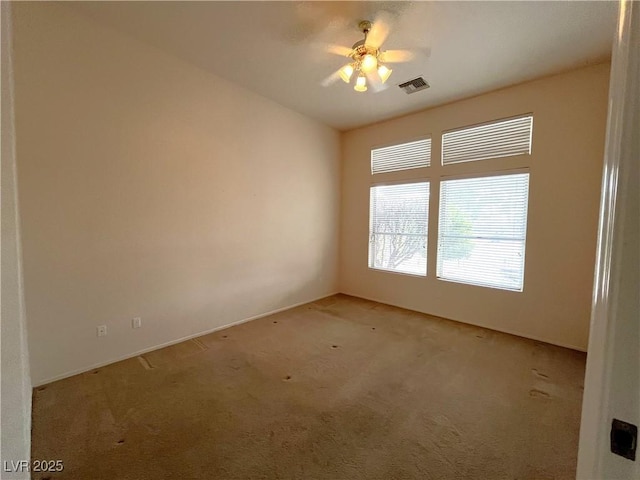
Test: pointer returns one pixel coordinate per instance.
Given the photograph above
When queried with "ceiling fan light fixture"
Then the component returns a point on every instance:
(361, 84)
(366, 59)
(345, 73)
(369, 63)
(384, 73)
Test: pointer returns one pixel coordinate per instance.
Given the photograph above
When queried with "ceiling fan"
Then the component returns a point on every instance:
(367, 61)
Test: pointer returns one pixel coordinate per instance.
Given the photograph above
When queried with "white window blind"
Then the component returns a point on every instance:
(498, 139)
(398, 227)
(401, 157)
(482, 230)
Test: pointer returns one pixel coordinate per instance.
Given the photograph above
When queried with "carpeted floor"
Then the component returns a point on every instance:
(341, 388)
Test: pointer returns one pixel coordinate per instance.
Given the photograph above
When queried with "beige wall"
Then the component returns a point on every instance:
(566, 167)
(15, 389)
(151, 188)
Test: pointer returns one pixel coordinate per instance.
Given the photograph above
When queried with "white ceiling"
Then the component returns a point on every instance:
(278, 49)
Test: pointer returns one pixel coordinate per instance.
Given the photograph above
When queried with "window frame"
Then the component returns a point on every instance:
(437, 172)
(399, 143)
(371, 240)
(482, 124)
(476, 175)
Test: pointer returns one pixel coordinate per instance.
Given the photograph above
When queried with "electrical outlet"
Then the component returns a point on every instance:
(136, 322)
(102, 330)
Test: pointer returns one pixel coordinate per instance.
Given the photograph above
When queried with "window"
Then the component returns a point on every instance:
(398, 227)
(401, 157)
(482, 230)
(482, 212)
(493, 140)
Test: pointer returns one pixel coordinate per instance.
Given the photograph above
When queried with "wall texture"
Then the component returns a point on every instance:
(565, 166)
(15, 388)
(151, 188)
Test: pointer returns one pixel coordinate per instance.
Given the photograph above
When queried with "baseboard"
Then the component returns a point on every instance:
(172, 342)
(509, 332)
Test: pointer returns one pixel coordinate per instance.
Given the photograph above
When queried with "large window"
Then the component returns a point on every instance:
(398, 223)
(482, 211)
(482, 230)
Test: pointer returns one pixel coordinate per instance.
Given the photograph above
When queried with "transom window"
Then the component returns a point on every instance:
(405, 156)
(493, 140)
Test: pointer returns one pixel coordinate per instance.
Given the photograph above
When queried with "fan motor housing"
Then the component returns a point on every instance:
(360, 50)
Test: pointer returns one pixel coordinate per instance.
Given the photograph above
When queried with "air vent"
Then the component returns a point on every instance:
(415, 85)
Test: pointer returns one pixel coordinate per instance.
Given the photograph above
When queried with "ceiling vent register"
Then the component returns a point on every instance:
(415, 85)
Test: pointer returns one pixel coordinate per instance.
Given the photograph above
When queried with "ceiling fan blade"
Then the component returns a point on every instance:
(373, 81)
(379, 30)
(396, 56)
(338, 50)
(331, 79)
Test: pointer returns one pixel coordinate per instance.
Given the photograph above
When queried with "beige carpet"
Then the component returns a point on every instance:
(342, 388)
